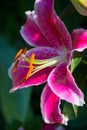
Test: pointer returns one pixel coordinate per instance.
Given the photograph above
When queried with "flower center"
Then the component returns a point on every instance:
(35, 65)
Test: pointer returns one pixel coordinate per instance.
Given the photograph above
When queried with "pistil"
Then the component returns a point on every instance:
(35, 65)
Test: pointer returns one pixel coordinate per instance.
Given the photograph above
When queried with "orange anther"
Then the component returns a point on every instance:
(18, 54)
(21, 51)
(31, 68)
(32, 59)
(24, 51)
(15, 65)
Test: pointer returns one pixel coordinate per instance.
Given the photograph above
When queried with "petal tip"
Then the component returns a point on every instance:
(29, 13)
(12, 90)
(65, 119)
(82, 103)
(79, 101)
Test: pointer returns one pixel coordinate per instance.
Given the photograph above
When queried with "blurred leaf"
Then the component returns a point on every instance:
(68, 110)
(80, 75)
(34, 123)
(81, 119)
(75, 108)
(84, 58)
(67, 11)
(75, 60)
(73, 21)
(14, 106)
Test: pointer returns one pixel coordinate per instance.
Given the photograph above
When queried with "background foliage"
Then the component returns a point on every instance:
(21, 108)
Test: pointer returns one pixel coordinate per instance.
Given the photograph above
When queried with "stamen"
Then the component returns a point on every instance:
(31, 68)
(21, 51)
(35, 65)
(15, 65)
(39, 64)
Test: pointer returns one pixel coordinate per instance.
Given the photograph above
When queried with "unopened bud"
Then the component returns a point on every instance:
(81, 6)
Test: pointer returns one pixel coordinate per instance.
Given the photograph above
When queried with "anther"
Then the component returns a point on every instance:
(18, 54)
(24, 51)
(21, 51)
(31, 68)
(15, 65)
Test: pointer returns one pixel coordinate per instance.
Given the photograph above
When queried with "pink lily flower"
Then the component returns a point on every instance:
(49, 60)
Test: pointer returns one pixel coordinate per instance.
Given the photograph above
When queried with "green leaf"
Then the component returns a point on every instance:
(75, 108)
(81, 119)
(34, 123)
(68, 110)
(14, 106)
(75, 60)
(66, 11)
(80, 75)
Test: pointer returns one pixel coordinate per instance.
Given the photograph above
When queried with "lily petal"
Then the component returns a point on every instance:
(50, 24)
(50, 107)
(79, 39)
(37, 78)
(31, 32)
(43, 52)
(63, 85)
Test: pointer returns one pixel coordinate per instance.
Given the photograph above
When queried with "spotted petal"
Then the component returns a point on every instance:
(21, 71)
(32, 33)
(79, 39)
(51, 25)
(63, 85)
(50, 107)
